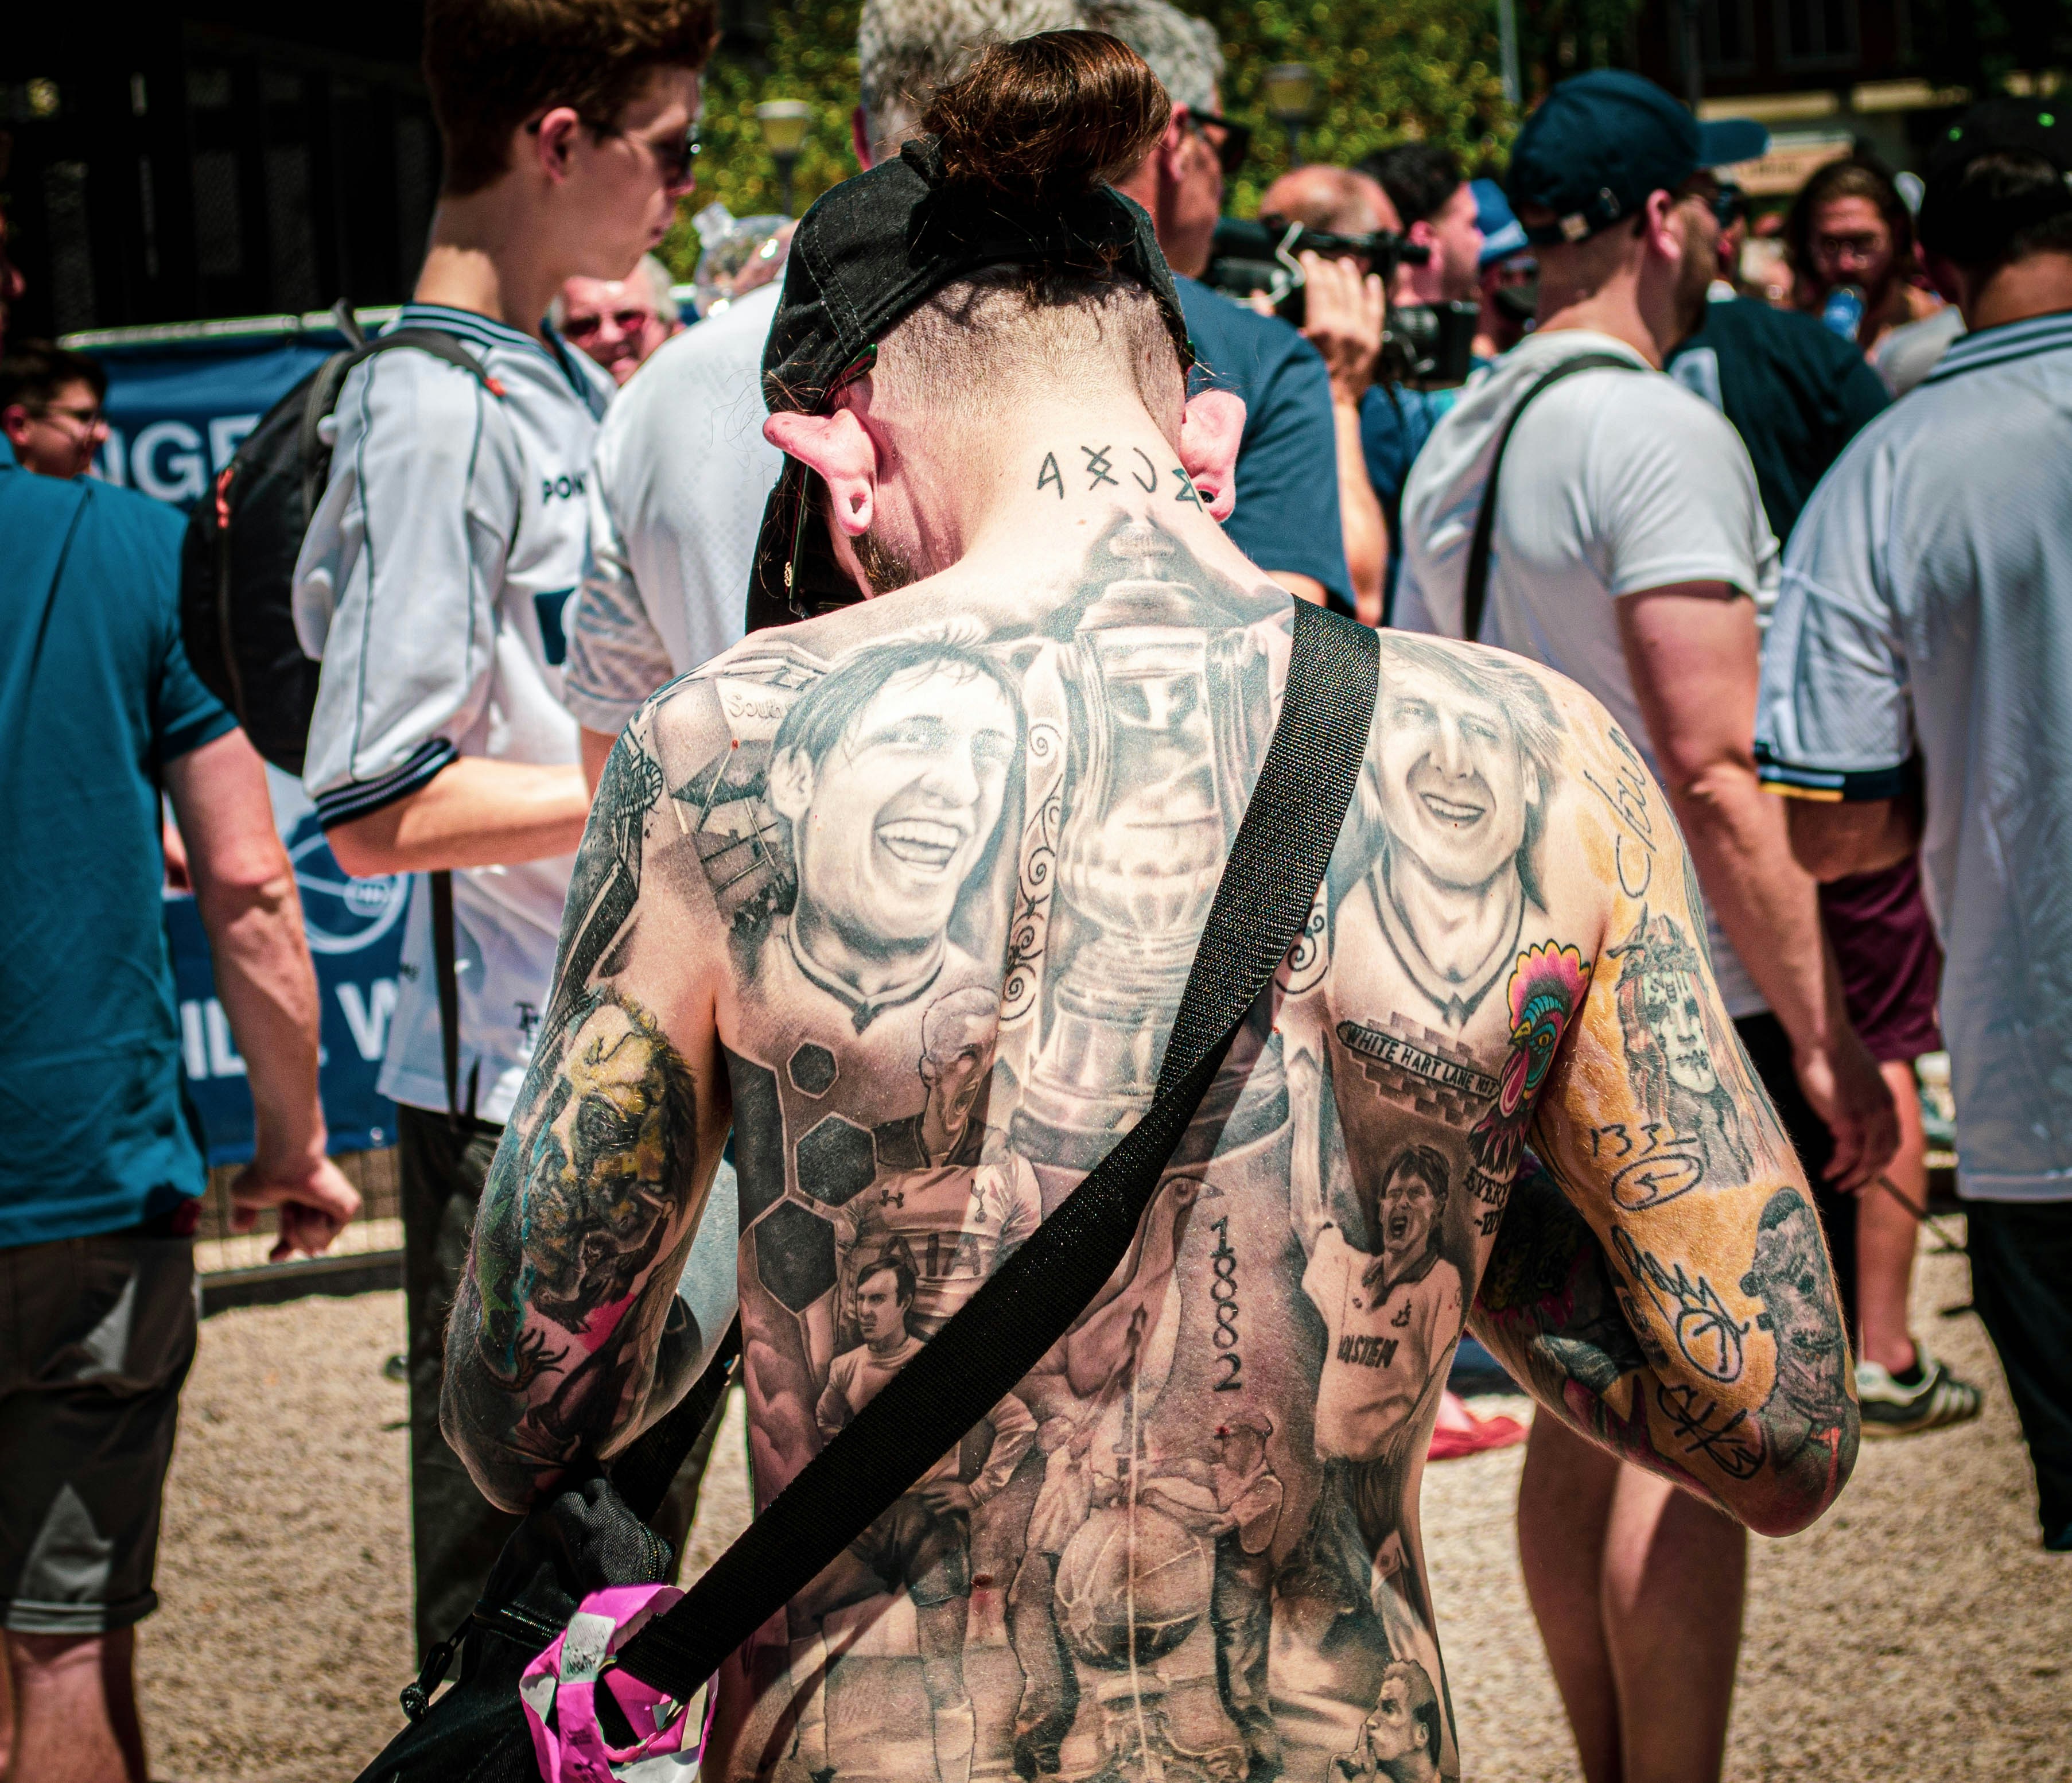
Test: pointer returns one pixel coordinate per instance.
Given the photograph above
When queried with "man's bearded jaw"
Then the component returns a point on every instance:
(884, 569)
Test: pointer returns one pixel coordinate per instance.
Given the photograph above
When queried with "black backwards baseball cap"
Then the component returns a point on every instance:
(1970, 226)
(1600, 143)
(868, 252)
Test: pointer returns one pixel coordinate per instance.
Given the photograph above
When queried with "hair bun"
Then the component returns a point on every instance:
(1049, 118)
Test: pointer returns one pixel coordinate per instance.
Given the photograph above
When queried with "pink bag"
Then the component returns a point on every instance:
(559, 1692)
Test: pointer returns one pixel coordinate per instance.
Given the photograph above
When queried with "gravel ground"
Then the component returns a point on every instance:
(1918, 1629)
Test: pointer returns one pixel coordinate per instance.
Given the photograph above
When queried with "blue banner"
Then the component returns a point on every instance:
(176, 412)
(355, 934)
(177, 409)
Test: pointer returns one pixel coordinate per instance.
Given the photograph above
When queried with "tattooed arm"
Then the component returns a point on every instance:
(592, 1202)
(1659, 1281)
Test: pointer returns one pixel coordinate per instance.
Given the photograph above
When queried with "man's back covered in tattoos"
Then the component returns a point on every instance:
(906, 897)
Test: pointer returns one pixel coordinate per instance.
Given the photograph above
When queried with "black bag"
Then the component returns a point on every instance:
(237, 620)
(237, 562)
(590, 1535)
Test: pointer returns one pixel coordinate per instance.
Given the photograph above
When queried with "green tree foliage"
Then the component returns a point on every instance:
(1423, 69)
(811, 55)
(1408, 68)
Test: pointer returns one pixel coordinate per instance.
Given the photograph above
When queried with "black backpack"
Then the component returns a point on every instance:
(237, 618)
(237, 564)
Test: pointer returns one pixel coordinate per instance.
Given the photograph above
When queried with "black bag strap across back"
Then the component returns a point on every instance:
(1269, 885)
(1474, 596)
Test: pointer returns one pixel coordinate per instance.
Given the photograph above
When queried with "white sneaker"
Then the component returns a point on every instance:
(1939, 1397)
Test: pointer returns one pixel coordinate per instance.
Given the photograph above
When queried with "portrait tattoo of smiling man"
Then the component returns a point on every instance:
(904, 897)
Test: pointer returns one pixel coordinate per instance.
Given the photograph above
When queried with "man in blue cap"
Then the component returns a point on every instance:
(1628, 548)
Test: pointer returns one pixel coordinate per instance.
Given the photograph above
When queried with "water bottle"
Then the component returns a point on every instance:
(1844, 310)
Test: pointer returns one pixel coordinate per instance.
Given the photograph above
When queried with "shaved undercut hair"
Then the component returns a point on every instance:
(1071, 325)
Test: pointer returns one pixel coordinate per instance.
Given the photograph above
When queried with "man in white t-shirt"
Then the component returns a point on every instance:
(1628, 550)
(683, 472)
(1919, 658)
(433, 582)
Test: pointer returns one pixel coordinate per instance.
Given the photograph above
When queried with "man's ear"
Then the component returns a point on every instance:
(789, 780)
(1663, 227)
(1422, 233)
(547, 144)
(1166, 153)
(1210, 427)
(1943, 274)
(836, 447)
(859, 137)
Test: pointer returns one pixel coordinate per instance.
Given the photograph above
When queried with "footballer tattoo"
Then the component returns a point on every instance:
(906, 897)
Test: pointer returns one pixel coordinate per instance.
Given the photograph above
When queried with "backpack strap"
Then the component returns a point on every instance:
(445, 967)
(1474, 595)
(1026, 1305)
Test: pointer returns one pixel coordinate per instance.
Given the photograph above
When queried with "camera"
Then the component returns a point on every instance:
(1261, 256)
(1425, 343)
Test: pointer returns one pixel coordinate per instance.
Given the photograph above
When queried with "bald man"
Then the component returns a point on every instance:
(1336, 200)
(1387, 421)
(1344, 306)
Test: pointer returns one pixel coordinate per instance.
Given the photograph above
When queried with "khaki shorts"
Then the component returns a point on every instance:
(96, 1338)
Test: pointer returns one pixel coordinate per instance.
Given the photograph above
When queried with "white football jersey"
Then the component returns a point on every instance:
(433, 583)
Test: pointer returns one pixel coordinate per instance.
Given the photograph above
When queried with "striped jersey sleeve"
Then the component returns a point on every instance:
(1834, 718)
(398, 578)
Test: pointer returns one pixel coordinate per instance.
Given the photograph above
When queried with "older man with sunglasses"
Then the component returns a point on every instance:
(619, 321)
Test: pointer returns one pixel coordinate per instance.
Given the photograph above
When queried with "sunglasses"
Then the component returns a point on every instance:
(675, 159)
(86, 420)
(1231, 143)
(1728, 204)
(628, 322)
(672, 160)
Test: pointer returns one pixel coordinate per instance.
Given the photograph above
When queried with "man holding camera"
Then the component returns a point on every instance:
(1433, 209)
(1343, 309)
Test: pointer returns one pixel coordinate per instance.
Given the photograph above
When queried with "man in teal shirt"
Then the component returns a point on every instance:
(100, 1170)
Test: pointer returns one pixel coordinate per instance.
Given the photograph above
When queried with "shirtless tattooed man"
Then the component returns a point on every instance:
(904, 897)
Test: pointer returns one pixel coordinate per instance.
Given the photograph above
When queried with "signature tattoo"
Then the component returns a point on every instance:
(1727, 1440)
(1627, 799)
(1706, 1332)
